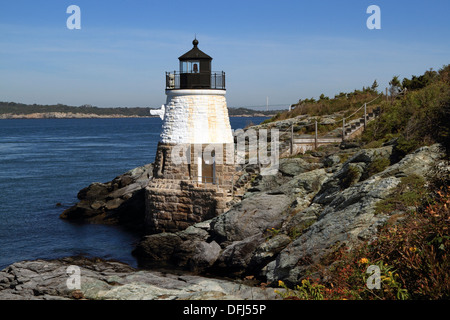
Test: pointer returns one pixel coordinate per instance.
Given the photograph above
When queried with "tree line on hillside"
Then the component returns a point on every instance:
(416, 111)
(342, 102)
(24, 109)
(417, 114)
(21, 108)
(423, 99)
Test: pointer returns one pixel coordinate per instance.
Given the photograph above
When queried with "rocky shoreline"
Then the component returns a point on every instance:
(286, 223)
(277, 231)
(111, 280)
(120, 201)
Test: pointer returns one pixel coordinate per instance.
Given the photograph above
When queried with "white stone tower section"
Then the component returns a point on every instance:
(196, 110)
(196, 116)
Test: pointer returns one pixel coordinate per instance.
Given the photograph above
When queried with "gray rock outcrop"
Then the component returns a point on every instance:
(108, 280)
(227, 241)
(284, 223)
(120, 201)
(289, 221)
(236, 241)
(346, 216)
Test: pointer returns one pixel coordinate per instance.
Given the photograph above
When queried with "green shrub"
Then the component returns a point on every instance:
(419, 118)
(404, 146)
(409, 192)
(305, 291)
(373, 144)
(299, 229)
(267, 121)
(377, 165)
(352, 176)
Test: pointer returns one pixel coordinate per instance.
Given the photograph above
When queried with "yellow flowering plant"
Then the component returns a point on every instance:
(305, 291)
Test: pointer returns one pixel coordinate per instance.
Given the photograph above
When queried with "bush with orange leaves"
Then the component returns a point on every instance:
(415, 251)
(418, 248)
(412, 254)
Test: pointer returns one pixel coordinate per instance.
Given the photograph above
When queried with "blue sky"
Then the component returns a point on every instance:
(284, 50)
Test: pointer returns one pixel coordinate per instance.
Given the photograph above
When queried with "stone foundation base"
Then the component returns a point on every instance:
(193, 169)
(173, 205)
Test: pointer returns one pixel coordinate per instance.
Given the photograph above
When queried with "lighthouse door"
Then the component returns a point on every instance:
(208, 169)
(208, 172)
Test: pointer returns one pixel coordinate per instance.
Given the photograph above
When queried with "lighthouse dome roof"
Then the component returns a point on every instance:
(195, 53)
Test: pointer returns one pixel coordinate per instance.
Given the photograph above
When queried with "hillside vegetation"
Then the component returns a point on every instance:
(342, 102)
(411, 249)
(416, 112)
(418, 117)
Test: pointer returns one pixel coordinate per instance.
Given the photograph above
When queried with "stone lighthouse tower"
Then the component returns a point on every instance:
(194, 167)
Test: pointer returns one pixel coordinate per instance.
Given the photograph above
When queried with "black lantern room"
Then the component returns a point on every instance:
(195, 72)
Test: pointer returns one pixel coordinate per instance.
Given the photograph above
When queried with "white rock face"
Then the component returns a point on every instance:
(196, 116)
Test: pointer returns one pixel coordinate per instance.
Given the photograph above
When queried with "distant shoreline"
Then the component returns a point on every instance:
(60, 115)
(13, 110)
(64, 116)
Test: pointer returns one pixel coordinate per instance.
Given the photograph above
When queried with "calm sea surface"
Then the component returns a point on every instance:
(47, 161)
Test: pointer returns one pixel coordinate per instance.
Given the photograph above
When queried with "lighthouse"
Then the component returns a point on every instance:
(195, 116)
(194, 167)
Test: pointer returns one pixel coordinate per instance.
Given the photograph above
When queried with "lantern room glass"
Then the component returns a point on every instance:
(189, 66)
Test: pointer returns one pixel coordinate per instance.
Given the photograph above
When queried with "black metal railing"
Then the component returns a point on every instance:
(201, 80)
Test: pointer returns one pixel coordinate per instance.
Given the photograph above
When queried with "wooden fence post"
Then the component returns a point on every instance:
(365, 115)
(343, 129)
(315, 136)
(292, 139)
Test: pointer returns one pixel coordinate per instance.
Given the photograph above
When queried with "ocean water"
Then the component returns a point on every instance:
(45, 162)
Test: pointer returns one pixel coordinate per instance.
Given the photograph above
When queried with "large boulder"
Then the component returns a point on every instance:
(294, 166)
(352, 171)
(157, 247)
(224, 242)
(120, 201)
(254, 215)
